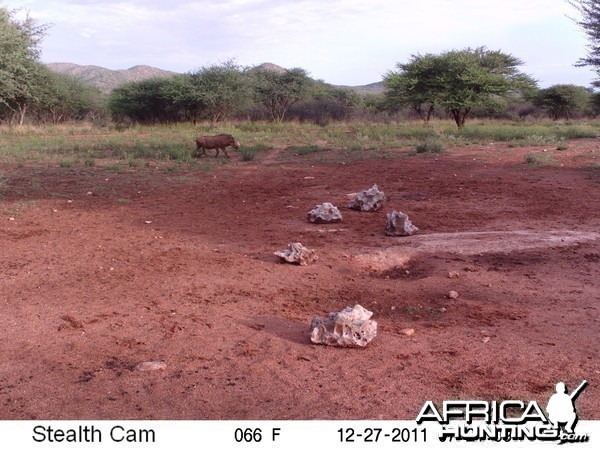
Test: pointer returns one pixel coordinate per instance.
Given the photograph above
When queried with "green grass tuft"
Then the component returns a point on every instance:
(66, 162)
(430, 146)
(540, 159)
(248, 153)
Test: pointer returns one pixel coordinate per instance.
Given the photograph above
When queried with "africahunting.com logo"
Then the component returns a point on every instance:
(510, 420)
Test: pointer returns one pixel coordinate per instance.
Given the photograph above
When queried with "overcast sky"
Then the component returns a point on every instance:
(350, 42)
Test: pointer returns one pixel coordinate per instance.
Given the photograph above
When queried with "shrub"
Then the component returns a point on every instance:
(540, 159)
(134, 162)
(66, 162)
(563, 100)
(430, 146)
(248, 153)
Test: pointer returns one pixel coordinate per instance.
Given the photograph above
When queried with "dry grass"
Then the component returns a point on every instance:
(84, 142)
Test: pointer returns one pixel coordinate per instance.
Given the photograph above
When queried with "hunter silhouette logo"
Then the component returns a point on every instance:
(561, 407)
(509, 420)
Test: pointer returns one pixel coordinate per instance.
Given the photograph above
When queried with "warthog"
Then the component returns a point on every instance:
(218, 142)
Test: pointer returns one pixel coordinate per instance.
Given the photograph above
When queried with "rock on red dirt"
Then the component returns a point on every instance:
(178, 268)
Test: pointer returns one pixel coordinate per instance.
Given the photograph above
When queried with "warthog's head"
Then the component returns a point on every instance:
(235, 144)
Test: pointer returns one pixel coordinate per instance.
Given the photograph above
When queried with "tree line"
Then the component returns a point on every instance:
(228, 91)
(473, 82)
(28, 89)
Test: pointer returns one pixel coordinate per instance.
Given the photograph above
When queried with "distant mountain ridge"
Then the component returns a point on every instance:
(371, 88)
(107, 79)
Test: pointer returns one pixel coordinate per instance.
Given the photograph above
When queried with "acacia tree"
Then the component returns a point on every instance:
(64, 97)
(278, 91)
(143, 101)
(220, 89)
(414, 85)
(215, 92)
(455, 80)
(20, 72)
(183, 96)
(563, 100)
(590, 22)
(30, 83)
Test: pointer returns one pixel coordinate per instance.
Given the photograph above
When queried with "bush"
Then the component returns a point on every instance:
(66, 162)
(250, 152)
(430, 146)
(564, 100)
(540, 159)
(321, 111)
(247, 155)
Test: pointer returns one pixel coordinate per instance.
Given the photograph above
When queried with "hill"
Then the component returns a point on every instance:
(106, 79)
(271, 67)
(372, 88)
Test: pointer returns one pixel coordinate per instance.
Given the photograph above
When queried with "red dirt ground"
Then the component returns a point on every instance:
(102, 270)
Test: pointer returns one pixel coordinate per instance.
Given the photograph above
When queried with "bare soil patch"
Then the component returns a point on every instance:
(149, 293)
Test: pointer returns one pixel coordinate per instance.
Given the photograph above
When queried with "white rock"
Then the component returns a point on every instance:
(369, 200)
(298, 254)
(453, 295)
(398, 224)
(324, 213)
(348, 328)
(151, 365)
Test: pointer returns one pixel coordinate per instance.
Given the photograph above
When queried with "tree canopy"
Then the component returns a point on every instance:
(415, 85)
(563, 100)
(590, 23)
(143, 101)
(20, 71)
(455, 81)
(278, 91)
(216, 92)
(220, 90)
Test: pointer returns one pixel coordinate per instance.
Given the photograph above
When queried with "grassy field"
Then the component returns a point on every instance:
(83, 144)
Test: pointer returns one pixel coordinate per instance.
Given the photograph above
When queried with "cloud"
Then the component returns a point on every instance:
(342, 41)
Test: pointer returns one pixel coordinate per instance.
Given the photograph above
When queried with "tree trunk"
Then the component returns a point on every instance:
(429, 113)
(456, 116)
(419, 111)
(22, 111)
(460, 116)
(424, 116)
